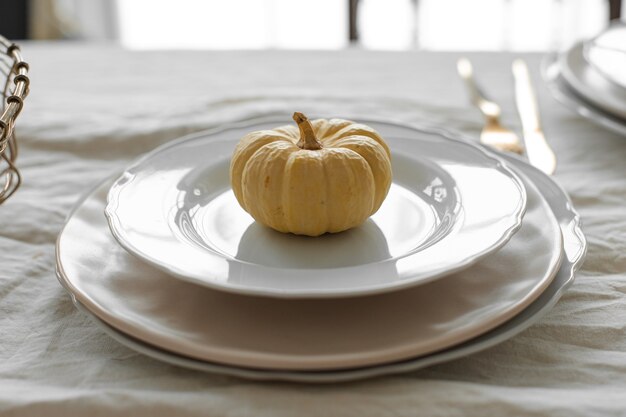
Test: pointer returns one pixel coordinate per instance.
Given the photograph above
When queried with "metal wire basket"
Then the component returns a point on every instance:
(16, 86)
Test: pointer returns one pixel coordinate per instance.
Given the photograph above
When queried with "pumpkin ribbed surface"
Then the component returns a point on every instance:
(321, 176)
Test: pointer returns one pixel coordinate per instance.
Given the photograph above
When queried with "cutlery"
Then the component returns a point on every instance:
(538, 150)
(493, 133)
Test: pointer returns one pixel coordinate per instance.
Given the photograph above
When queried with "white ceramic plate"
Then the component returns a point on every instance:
(607, 53)
(574, 250)
(590, 84)
(562, 92)
(313, 334)
(449, 205)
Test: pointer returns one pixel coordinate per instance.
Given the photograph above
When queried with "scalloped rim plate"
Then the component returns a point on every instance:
(450, 205)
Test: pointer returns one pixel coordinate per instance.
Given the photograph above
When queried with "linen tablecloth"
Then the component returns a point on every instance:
(94, 108)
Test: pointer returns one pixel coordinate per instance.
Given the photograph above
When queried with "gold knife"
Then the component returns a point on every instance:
(538, 151)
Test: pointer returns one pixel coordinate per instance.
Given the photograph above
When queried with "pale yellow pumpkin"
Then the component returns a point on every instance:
(322, 176)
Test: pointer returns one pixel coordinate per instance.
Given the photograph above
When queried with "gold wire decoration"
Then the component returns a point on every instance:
(16, 86)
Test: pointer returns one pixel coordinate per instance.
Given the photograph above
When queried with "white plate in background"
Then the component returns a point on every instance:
(590, 84)
(607, 53)
(563, 93)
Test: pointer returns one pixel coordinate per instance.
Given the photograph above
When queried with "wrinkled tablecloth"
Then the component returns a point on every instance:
(93, 108)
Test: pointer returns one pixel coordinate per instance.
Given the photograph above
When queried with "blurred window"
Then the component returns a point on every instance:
(489, 25)
(233, 24)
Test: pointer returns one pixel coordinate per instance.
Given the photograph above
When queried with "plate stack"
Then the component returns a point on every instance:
(590, 78)
(469, 248)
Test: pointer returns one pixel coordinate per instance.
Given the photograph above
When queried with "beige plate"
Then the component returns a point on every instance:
(266, 333)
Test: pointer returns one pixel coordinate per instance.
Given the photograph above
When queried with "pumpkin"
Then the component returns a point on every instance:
(323, 176)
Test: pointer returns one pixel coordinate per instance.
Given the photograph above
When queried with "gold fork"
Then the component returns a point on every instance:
(493, 133)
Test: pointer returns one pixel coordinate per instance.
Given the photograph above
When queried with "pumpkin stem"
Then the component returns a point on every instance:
(307, 135)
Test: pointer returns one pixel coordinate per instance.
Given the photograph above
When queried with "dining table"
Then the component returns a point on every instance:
(95, 107)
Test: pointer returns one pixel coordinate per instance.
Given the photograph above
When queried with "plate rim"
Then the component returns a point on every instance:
(115, 227)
